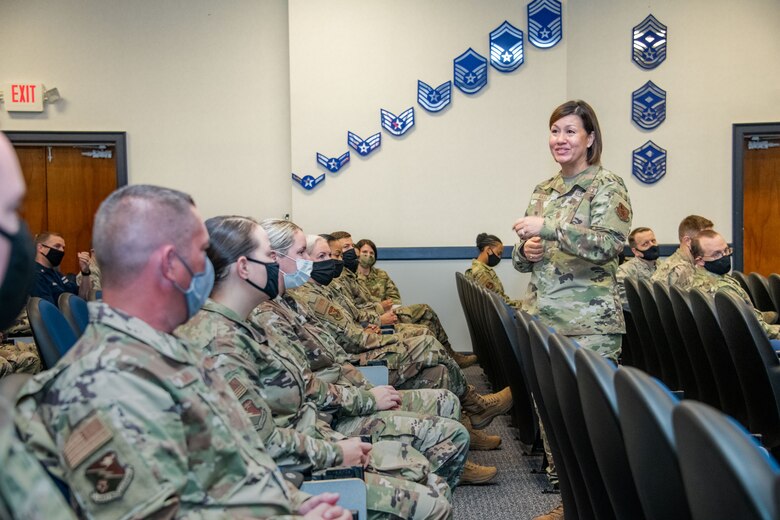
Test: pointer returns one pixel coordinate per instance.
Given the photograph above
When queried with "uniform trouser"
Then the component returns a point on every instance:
(19, 358)
(391, 498)
(444, 442)
(419, 362)
(431, 401)
(423, 314)
(607, 345)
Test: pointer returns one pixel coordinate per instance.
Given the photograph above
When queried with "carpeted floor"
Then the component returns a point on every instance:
(515, 493)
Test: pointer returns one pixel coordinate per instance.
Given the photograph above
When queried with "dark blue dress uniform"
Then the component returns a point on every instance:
(50, 283)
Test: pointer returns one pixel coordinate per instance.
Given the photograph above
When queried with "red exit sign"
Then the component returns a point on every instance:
(23, 97)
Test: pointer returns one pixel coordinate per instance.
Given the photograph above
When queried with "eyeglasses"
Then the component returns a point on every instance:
(717, 255)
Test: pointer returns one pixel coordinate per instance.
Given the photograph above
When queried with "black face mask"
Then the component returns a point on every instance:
(19, 277)
(651, 253)
(350, 260)
(272, 278)
(54, 256)
(493, 259)
(338, 269)
(323, 271)
(720, 266)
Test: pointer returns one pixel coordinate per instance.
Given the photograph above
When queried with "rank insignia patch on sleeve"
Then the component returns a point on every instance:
(110, 479)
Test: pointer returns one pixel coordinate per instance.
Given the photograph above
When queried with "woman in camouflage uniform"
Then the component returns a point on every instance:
(481, 270)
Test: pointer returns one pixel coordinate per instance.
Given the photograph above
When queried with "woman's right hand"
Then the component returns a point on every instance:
(355, 451)
(533, 249)
(323, 507)
(387, 397)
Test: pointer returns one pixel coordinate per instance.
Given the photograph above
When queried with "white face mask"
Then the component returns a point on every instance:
(299, 277)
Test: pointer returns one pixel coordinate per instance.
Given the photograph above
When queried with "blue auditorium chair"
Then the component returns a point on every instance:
(727, 475)
(53, 335)
(75, 311)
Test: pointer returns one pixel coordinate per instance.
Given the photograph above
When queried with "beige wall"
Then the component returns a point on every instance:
(200, 86)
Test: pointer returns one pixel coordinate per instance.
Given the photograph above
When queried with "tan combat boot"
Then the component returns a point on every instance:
(474, 474)
(479, 440)
(483, 408)
(555, 514)
(464, 360)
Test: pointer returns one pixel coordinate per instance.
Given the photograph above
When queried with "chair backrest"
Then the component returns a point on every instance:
(682, 362)
(756, 364)
(774, 289)
(759, 292)
(51, 330)
(649, 353)
(564, 371)
(740, 277)
(645, 407)
(549, 411)
(732, 400)
(706, 388)
(726, 475)
(75, 311)
(523, 414)
(658, 334)
(497, 375)
(599, 404)
(631, 351)
(460, 283)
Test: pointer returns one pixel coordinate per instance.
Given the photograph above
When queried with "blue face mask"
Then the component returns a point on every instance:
(200, 287)
(299, 277)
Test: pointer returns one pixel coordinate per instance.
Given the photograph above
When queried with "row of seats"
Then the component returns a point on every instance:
(624, 444)
(710, 349)
(763, 291)
(56, 329)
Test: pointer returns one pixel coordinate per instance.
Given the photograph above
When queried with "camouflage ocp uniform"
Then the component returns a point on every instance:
(677, 270)
(271, 385)
(486, 276)
(634, 269)
(711, 283)
(26, 492)
(380, 285)
(137, 424)
(331, 363)
(418, 362)
(573, 287)
(19, 356)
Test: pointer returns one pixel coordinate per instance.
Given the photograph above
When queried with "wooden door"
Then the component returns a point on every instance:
(65, 186)
(761, 199)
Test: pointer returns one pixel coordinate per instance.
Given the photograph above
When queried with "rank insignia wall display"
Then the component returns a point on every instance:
(649, 163)
(308, 182)
(648, 106)
(545, 23)
(506, 47)
(364, 146)
(333, 164)
(397, 124)
(649, 41)
(470, 72)
(434, 99)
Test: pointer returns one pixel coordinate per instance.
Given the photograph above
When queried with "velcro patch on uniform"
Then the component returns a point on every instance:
(238, 388)
(622, 212)
(85, 440)
(334, 313)
(184, 377)
(110, 479)
(321, 306)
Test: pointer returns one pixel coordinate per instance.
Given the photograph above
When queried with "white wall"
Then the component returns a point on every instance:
(225, 99)
(200, 86)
